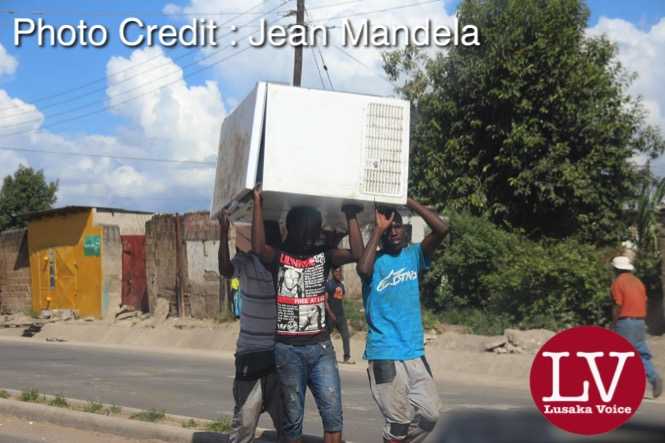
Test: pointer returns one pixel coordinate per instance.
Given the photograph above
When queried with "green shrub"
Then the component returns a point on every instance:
(190, 424)
(4, 394)
(59, 402)
(94, 407)
(151, 416)
(486, 274)
(223, 424)
(31, 396)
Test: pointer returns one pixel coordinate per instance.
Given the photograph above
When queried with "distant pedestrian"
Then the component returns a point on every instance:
(256, 387)
(628, 315)
(335, 308)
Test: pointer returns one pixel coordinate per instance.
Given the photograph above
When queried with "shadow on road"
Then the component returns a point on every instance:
(485, 426)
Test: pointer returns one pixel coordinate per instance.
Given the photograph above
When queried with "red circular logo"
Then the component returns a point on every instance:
(587, 380)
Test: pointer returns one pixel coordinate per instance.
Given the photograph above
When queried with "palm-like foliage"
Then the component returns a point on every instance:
(648, 204)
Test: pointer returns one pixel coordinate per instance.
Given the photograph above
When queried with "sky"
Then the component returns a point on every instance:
(157, 111)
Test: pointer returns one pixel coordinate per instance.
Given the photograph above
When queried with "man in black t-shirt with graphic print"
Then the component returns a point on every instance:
(304, 354)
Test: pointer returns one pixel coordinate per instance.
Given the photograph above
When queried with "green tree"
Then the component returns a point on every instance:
(24, 192)
(534, 128)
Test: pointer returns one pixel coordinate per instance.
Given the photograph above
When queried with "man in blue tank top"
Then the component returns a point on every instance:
(400, 377)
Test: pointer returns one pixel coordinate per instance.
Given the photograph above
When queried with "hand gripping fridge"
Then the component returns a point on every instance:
(312, 147)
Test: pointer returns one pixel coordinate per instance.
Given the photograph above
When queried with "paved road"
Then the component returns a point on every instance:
(200, 386)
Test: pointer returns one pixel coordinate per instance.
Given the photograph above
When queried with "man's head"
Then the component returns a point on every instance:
(622, 264)
(303, 225)
(394, 239)
(273, 234)
(337, 273)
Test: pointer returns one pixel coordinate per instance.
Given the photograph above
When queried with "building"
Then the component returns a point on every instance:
(87, 259)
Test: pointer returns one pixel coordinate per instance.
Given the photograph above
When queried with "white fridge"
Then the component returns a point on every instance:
(312, 147)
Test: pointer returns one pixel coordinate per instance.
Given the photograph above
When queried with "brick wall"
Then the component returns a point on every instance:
(15, 289)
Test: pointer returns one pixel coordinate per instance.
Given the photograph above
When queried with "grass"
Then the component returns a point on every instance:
(223, 424)
(30, 396)
(190, 424)
(59, 402)
(94, 407)
(114, 410)
(477, 321)
(4, 394)
(152, 416)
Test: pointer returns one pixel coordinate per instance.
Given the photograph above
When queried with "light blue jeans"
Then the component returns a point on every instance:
(635, 332)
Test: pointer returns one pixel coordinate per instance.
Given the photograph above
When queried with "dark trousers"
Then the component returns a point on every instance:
(343, 328)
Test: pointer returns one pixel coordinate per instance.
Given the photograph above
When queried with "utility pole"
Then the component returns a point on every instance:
(297, 63)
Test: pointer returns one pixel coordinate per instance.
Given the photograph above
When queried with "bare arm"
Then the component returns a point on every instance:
(438, 226)
(223, 256)
(615, 315)
(343, 256)
(265, 252)
(365, 265)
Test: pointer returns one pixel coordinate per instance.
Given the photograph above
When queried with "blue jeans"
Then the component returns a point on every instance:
(635, 332)
(315, 366)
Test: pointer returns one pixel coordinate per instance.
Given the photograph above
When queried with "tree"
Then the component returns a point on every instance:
(24, 192)
(534, 128)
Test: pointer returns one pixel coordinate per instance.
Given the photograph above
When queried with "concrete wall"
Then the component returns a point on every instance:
(160, 260)
(111, 271)
(199, 247)
(128, 223)
(15, 290)
(202, 286)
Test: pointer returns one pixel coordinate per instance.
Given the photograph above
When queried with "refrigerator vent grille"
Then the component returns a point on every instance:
(382, 168)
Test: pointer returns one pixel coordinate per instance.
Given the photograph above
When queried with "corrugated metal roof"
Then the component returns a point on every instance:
(73, 209)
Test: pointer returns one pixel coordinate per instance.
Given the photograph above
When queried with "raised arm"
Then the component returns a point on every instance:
(365, 265)
(438, 226)
(223, 256)
(343, 256)
(265, 252)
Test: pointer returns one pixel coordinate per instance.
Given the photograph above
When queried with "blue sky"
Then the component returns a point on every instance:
(59, 95)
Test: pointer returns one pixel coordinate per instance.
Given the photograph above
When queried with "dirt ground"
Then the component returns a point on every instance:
(14, 429)
(451, 354)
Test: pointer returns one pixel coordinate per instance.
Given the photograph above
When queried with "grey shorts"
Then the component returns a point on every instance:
(406, 395)
(252, 398)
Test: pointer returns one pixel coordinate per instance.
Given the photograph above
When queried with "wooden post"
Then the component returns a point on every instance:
(297, 63)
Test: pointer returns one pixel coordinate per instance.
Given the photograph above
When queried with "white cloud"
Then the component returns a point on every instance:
(183, 122)
(642, 52)
(175, 122)
(8, 64)
(240, 73)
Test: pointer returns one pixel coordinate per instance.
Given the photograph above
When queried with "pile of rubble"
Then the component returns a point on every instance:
(519, 342)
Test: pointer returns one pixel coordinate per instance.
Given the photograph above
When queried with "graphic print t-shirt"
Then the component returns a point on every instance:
(301, 296)
(391, 296)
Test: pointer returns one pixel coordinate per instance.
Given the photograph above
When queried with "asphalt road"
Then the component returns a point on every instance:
(200, 386)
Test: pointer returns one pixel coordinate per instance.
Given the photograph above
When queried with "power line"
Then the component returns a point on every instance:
(177, 57)
(323, 61)
(187, 75)
(108, 107)
(316, 63)
(376, 11)
(361, 63)
(113, 157)
(136, 88)
(92, 13)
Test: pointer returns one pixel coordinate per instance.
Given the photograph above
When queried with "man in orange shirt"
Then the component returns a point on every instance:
(630, 310)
